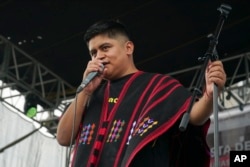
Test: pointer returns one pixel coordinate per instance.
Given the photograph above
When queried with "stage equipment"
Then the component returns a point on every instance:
(212, 55)
(30, 105)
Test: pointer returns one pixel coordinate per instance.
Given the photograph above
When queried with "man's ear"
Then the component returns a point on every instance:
(130, 47)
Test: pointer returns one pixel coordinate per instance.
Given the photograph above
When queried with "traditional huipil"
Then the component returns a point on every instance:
(133, 121)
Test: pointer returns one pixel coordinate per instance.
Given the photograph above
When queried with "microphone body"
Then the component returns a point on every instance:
(87, 80)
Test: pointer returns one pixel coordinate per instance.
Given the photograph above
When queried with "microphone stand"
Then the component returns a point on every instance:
(19, 140)
(211, 54)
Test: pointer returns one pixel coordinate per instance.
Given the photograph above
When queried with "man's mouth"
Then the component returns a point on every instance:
(105, 63)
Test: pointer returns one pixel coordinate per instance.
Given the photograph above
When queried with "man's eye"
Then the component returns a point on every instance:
(105, 47)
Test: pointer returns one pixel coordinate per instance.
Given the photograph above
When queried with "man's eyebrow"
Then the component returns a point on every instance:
(100, 46)
(105, 43)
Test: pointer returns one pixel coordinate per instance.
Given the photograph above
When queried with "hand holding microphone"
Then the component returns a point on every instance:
(88, 79)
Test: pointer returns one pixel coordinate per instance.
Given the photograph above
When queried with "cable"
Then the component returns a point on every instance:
(72, 134)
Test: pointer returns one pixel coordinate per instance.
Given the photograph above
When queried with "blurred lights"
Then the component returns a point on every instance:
(38, 37)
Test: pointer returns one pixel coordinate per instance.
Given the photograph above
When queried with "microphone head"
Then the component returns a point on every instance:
(88, 79)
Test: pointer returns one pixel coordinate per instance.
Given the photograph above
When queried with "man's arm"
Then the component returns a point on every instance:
(203, 108)
(64, 129)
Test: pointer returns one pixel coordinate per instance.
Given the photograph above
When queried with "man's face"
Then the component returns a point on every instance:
(113, 52)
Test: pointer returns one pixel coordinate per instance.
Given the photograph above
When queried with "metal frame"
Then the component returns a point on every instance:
(18, 70)
(237, 90)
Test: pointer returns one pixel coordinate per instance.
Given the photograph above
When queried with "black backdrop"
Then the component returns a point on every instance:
(168, 35)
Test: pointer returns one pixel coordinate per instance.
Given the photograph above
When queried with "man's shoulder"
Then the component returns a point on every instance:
(156, 75)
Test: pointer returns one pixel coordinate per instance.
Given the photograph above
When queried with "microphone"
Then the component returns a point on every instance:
(88, 79)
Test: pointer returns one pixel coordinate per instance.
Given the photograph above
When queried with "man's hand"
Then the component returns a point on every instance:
(214, 74)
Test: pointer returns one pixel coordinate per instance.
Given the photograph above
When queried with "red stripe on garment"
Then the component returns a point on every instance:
(120, 97)
(102, 131)
(132, 120)
(155, 91)
(159, 100)
(93, 159)
(158, 131)
(97, 145)
(76, 146)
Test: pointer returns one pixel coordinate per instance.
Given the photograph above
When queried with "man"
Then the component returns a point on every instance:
(127, 117)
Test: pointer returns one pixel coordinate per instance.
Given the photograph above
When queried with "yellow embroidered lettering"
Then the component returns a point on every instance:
(113, 100)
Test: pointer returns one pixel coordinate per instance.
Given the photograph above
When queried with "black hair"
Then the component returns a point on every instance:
(109, 27)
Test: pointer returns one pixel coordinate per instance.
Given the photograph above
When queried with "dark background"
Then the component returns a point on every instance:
(169, 35)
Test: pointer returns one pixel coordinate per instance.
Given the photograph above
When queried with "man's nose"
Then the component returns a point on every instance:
(100, 55)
